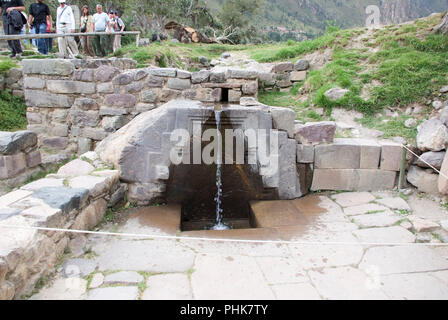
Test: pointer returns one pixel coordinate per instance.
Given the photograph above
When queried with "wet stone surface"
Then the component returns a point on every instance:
(344, 246)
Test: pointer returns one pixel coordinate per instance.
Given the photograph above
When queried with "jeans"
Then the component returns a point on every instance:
(15, 45)
(42, 46)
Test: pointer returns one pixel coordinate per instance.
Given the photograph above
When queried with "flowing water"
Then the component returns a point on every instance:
(218, 198)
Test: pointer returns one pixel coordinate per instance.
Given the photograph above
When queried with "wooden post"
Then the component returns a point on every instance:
(401, 179)
(138, 39)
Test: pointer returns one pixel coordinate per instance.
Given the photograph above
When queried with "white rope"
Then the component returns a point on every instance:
(425, 162)
(156, 236)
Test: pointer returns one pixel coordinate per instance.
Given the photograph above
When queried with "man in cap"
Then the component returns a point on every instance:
(65, 24)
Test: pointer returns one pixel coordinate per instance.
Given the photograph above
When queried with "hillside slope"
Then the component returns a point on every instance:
(311, 16)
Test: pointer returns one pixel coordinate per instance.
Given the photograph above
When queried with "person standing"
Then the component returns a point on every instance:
(39, 18)
(65, 24)
(86, 25)
(100, 23)
(117, 26)
(6, 7)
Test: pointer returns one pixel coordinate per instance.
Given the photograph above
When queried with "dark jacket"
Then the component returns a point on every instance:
(16, 19)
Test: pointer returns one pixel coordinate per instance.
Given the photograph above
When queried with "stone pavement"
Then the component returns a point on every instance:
(353, 266)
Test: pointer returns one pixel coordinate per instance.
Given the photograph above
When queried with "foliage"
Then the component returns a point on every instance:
(12, 112)
(6, 65)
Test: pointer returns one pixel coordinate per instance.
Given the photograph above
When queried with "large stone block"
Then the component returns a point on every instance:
(425, 180)
(209, 94)
(283, 119)
(33, 159)
(250, 88)
(33, 83)
(353, 179)
(68, 86)
(305, 153)
(59, 143)
(12, 165)
(57, 67)
(120, 100)
(97, 134)
(163, 72)
(169, 94)
(234, 96)
(35, 98)
(123, 79)
(14, 142)
(200, 77)
(296, 76)
(84, 118)
(63, 198)
(59, 130)
(376, 180)
(91, 216)
(337, 156)
(84, 75)
(283, 67)
(391, 155)
(434, 159)
(243, 74)
(107, 111)
(106, 87)
(335, 179)
(217, 77)
(178, 84)
(316, 132)
(105, 73)
(134, 87)
(86, 104)
(154, 82)
(432, 135)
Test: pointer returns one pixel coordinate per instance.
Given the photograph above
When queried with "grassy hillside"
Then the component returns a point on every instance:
(385, 69)
(311, 16)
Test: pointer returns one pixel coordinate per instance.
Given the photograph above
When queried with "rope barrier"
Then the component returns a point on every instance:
(167, 237)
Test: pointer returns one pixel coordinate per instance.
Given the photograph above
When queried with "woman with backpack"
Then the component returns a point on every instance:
(117, 26)
(86, 25)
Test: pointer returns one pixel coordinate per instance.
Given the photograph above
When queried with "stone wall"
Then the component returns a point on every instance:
(12, 81)
(283, 75)
(347, 164)
(75, 198)
(74, 104)
(19, 158)
(141, 150)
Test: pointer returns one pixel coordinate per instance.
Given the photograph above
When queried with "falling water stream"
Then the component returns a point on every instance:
(220, 225)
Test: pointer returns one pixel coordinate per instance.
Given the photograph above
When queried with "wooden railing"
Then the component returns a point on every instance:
(63, 35)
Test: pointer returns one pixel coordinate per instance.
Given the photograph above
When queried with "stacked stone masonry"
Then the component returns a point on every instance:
(19, 158)
(284, 75)
(73, 104)
(74, 198)
(12, 81)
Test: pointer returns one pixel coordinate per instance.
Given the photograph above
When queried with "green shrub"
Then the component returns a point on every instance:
(12, 112)
(6, 65)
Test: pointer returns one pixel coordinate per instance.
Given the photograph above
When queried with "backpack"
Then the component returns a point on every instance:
(16, 19)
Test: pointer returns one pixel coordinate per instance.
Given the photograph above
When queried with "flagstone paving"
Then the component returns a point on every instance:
(357, 245)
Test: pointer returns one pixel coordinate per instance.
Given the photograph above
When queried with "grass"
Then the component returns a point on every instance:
(6, 64)
(12, 112)
(391, 128)
(166, 54)
(291, 49)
